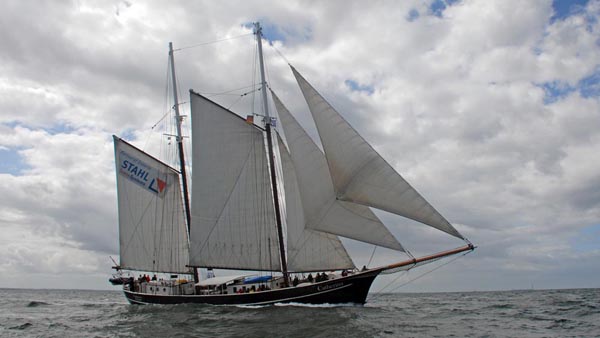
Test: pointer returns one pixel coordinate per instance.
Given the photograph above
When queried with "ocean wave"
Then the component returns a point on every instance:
(500, 306)
(35, 303)
(21, 327)
(93, 314)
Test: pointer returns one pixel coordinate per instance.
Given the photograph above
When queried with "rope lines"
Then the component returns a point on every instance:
(211, 42)
(280, 54)
(380, 291)
(372, 254)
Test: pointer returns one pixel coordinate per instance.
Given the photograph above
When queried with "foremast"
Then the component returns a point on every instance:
(268, 127)
(178, 120)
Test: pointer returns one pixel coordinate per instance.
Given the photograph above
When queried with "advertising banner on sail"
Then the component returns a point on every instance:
(152, 230)
(141, 172)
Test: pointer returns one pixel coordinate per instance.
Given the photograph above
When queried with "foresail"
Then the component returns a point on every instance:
(322, 211)
(233, 217)
(359, 173)
(152, 230)
(307, 250)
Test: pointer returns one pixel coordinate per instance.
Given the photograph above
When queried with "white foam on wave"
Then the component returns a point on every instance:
(252, 306)
(324, 305)
(295, 304)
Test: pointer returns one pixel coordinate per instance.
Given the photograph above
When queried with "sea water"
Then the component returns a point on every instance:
(81, 313)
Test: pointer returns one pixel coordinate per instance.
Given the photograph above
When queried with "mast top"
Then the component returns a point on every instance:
(263, 82)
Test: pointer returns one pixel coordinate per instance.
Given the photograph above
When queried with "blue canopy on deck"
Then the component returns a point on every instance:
(257, 279)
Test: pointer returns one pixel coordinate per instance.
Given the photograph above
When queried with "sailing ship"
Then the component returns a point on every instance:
(262, 204)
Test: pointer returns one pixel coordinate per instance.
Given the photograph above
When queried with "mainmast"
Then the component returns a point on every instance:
(178, 120)
(258, 32)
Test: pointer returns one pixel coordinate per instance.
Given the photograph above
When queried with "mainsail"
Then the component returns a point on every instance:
(152, 230)
(322, 211)
(307, 250)
(359, 173)
(233, 217)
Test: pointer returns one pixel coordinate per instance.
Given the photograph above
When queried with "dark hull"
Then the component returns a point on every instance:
(349, 289)
(119, 280)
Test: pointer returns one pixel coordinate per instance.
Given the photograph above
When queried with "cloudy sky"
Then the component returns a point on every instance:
(491, 109)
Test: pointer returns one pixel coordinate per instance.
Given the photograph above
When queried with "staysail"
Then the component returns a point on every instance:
(322, 211)
(307, 250)
(359, 173)
(152, 229)
(233, 217)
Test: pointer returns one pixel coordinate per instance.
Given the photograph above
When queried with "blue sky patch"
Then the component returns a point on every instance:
(555, 91)
(128, 134)
(272, 32)
(60, 128)
(437, 7)
(590, 86)
(413, 15)
(356, 87)
(566, 8)
(588, 239)
(11, 161)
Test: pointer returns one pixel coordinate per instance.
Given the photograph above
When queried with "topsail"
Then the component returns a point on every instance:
(322, 211)
(359, 173)
(307, 250)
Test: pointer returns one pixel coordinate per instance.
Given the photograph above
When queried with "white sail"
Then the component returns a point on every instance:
(307, 250)
(233, 217)
(152, 230)
(322, 211)
(359, 173)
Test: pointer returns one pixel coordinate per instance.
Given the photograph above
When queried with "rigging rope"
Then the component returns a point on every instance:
(234, 102)
(211, 42)
(379, 293)
(228, 91)
(280, 54)
(372, 254)
(166, 103)
(242, 96)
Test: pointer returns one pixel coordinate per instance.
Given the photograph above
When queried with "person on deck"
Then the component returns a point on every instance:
(295, 281)
(310, 278)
